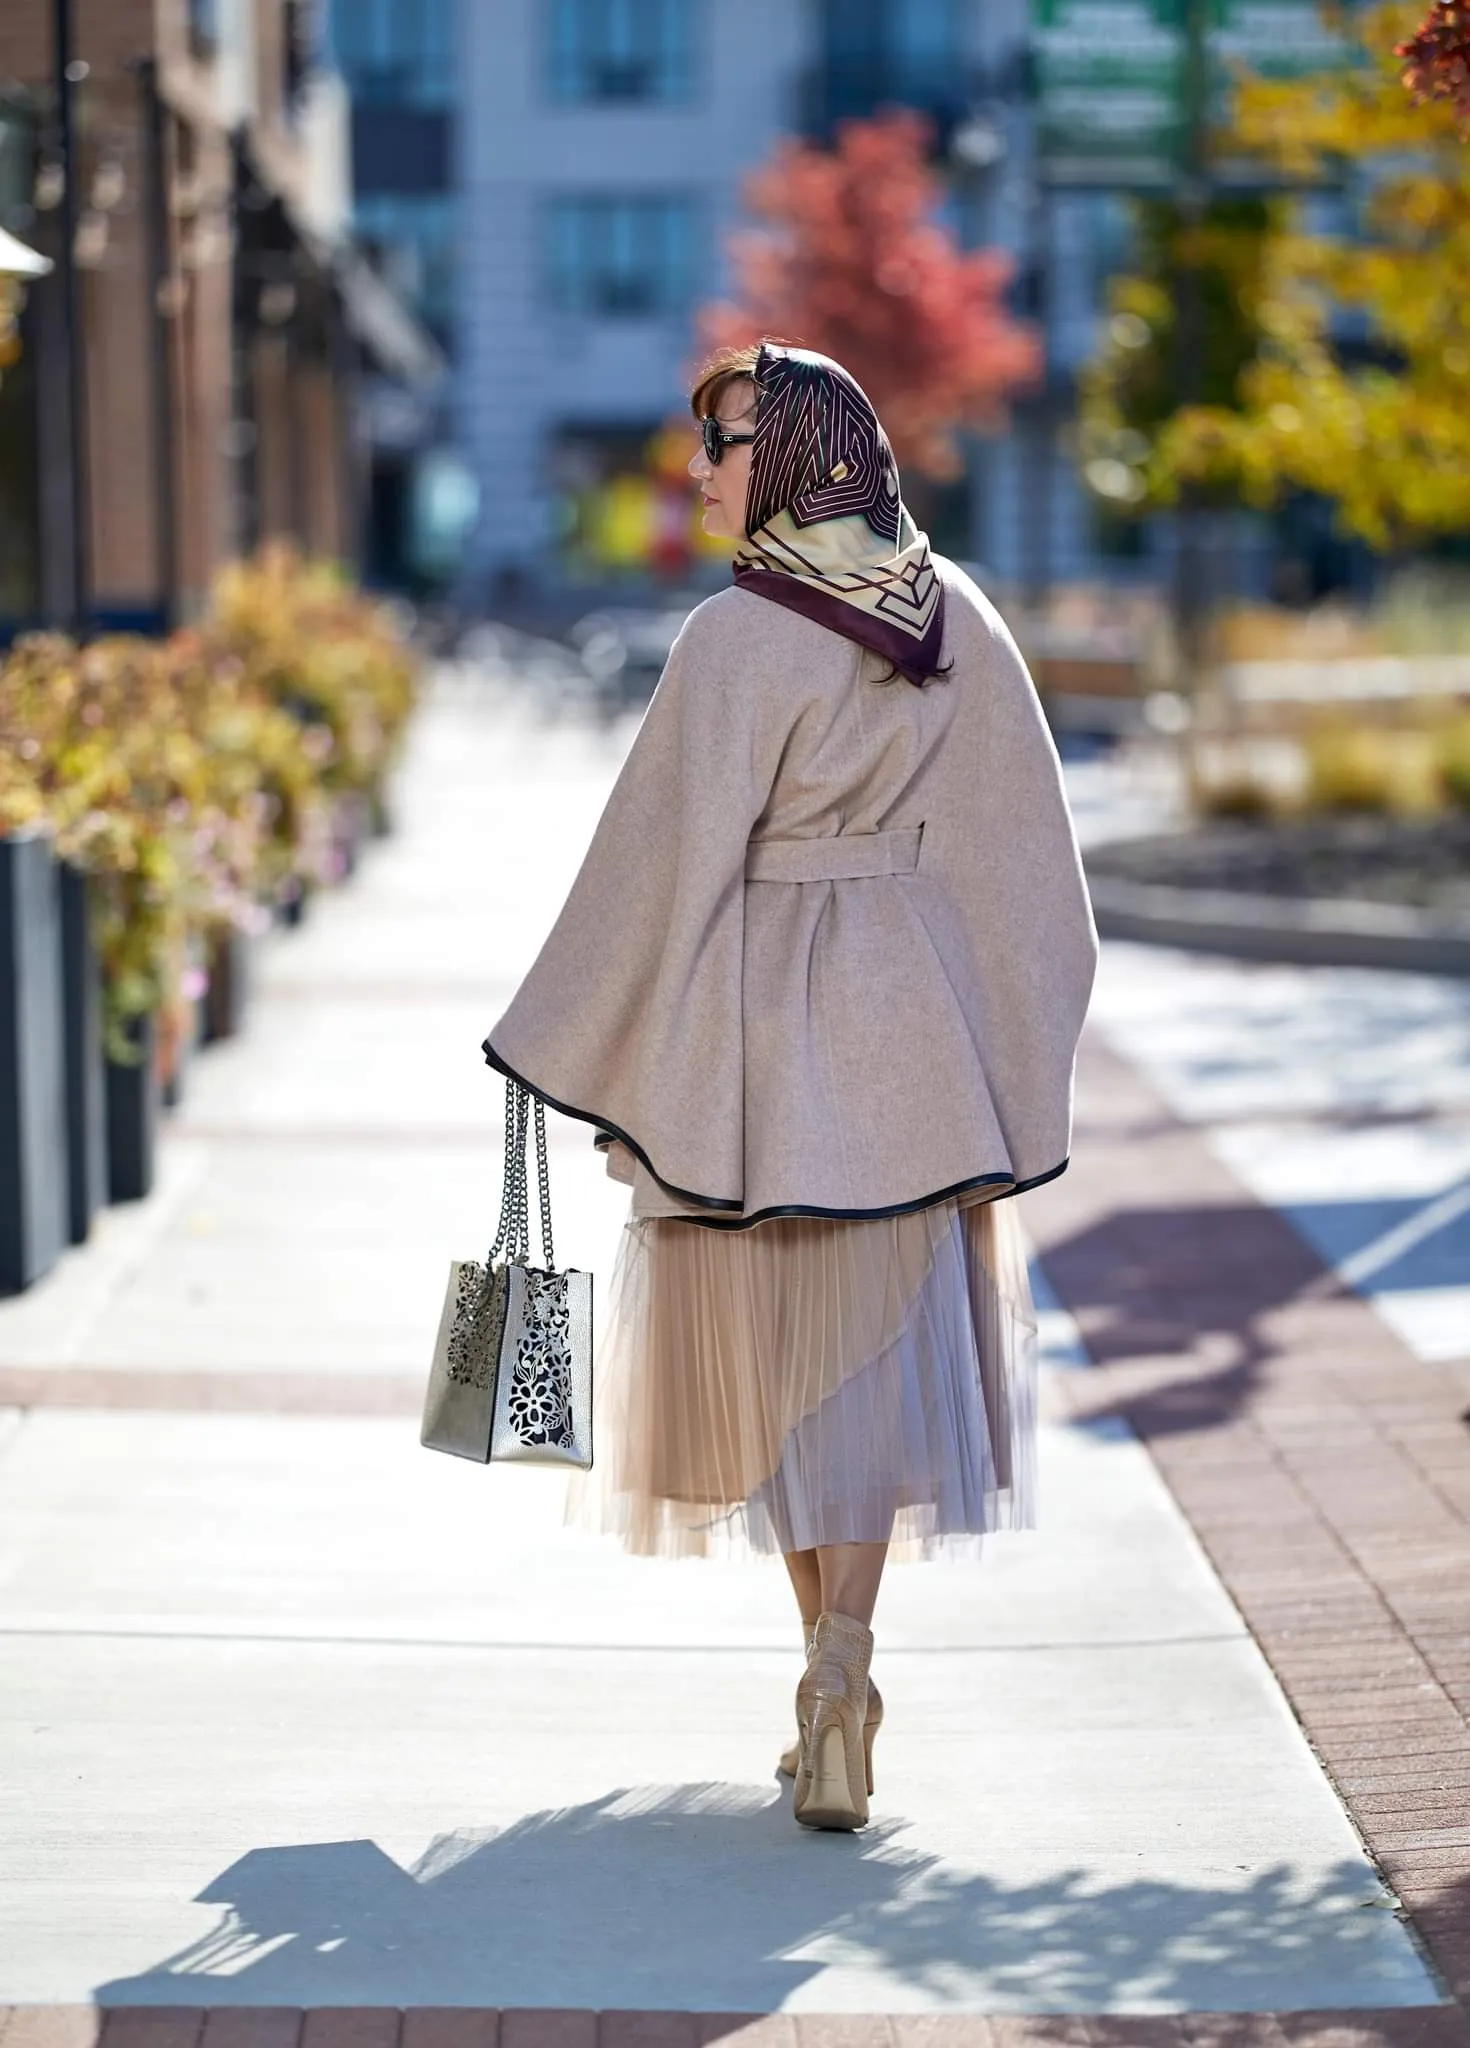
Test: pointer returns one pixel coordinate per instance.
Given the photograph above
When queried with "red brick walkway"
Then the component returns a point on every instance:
(372, 2027)
(1325, 1469)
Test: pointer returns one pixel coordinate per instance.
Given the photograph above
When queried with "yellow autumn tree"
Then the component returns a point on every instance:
(1134, 384)
(1381, 429)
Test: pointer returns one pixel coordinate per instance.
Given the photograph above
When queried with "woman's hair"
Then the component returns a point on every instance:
(717, 373)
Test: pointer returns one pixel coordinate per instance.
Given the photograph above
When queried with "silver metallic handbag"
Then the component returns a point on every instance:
(512, 1370)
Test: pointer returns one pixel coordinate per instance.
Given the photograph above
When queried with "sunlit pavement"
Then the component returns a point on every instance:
(294, 1714)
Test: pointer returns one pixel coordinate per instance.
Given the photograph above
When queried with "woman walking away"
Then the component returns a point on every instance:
(818, 985)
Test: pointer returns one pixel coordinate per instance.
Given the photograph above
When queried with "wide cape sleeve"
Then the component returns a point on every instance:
(629, 1016)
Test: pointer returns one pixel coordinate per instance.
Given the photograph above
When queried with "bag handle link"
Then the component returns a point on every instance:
(513, 1236)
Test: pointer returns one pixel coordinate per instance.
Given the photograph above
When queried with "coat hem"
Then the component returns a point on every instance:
(732, 1218)
(1002, 1181)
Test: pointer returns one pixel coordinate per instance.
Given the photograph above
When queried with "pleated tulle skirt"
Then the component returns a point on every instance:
(812, 1381)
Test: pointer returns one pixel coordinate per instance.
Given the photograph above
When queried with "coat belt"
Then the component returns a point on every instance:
(834, 857)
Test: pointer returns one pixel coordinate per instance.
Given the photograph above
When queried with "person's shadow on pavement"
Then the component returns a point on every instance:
(706, 1898)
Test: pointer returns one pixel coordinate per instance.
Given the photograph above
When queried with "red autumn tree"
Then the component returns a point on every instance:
(848, 258)
(1437, 56)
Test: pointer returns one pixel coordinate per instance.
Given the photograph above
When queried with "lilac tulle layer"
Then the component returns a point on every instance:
(813, 1381)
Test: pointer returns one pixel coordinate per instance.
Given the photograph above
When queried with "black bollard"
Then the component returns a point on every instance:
(86, 1078)
(33, 1148)
(133, 1105)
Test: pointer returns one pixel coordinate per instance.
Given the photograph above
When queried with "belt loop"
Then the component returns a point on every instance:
(835, 856)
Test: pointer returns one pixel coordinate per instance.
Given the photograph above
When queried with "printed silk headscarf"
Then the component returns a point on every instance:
(828, 534)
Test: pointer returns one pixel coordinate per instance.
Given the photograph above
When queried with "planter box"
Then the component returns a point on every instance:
(176, 1033)
(229, 986)
(349, 829)
(33, 1151)
(133, 1104)
(290, 909)
(86, 1073)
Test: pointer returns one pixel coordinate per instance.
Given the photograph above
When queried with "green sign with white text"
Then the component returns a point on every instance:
(1110, 90)
(1111, 76)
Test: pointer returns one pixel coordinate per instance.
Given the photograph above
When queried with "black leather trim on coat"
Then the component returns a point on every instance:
(1003, 1181)
(736, 1221)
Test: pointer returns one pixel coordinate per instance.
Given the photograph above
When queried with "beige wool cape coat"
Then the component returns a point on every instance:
(830, 949)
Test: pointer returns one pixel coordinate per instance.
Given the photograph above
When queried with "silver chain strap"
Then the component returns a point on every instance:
(513, 1237)
(543, 1178)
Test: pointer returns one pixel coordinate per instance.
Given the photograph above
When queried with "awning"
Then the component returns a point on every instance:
(378, 318)
(16, 260)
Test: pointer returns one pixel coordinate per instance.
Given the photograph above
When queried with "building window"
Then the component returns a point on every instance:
(614, 50)
(620, 256)
(877, 53)
(396, 51)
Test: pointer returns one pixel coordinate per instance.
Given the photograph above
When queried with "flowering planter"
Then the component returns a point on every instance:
(228, 989)
(133, 1103)
(86, 1074)
(33, 1155)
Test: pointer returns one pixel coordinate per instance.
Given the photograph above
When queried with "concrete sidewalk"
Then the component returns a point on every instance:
(295, 1715)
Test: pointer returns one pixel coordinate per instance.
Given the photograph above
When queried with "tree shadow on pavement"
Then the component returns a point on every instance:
(1182, 1308)
(705, 1897)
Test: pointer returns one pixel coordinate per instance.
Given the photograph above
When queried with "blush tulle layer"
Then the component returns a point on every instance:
(813, 1381)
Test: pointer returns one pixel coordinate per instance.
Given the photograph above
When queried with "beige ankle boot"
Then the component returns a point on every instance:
(835, 1775)
(790, 1759)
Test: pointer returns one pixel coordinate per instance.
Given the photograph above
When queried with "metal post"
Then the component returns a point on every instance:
(74, 342)
(351, 483)
(161, 333)
(1189, 595)
(1037, 483)
(297, 429)
(244, 422)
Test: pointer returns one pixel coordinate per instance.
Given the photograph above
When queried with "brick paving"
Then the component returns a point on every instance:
(62, 2026)
(1325, 1469)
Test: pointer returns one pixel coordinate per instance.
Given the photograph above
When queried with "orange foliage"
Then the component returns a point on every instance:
(1437, 56)
(848, 258)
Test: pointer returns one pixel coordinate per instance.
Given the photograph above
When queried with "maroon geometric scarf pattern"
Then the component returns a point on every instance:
(828, 533)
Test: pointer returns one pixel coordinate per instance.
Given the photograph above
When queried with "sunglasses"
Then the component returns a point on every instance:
(716, 440)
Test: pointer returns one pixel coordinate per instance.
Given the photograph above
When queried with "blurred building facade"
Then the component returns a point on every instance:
(401, 65)
(600, 161)
(221, 313)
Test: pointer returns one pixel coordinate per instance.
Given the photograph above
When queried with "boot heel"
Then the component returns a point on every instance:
(828, 1789)
(871, 1725)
